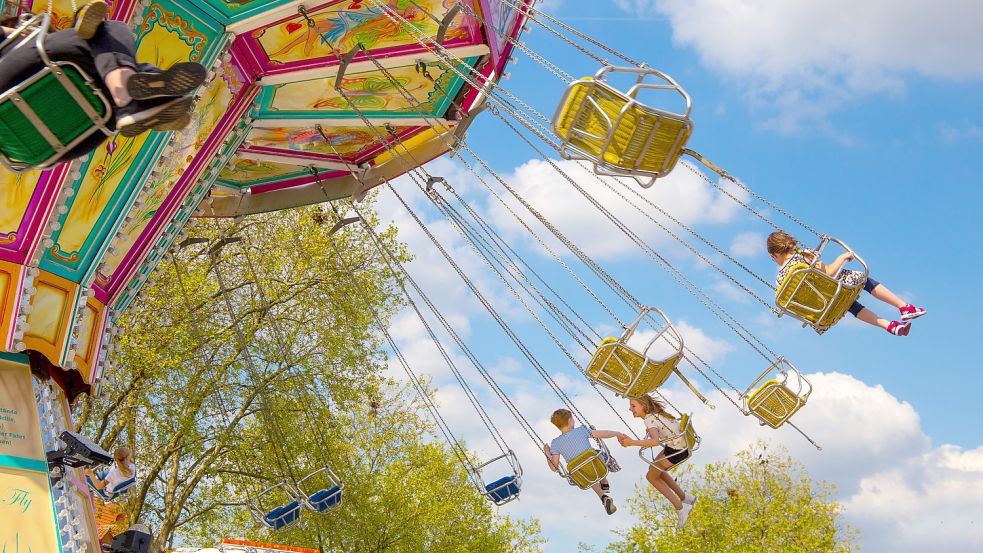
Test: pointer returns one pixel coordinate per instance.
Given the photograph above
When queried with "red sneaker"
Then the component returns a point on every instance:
(910, 312)
(899, 329)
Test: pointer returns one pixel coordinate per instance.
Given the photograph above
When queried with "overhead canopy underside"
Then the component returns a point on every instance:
(274, 127)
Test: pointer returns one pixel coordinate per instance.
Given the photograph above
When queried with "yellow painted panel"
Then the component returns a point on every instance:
(413, 143)
(48, 302)
(104, 176)
(340, 28)
(15, 195)
(27, 517)
(206, 117)
(20, 431)
(369, 91)
(88, 338)
(48, 322)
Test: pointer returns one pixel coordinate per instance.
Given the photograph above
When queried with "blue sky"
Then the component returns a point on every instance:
(867, 123)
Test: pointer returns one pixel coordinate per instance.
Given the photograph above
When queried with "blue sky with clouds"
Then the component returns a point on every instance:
(864, 121)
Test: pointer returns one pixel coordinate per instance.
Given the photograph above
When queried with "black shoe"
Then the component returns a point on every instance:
(609, 505)
(89, 17)
(140, 116)
(182, 78)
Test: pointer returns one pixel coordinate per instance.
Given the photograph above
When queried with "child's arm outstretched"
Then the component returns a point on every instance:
(606, 434)
(653, 440)
(836, 265)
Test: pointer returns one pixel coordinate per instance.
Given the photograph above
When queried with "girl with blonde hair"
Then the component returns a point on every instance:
(661, 428)
(120, 476)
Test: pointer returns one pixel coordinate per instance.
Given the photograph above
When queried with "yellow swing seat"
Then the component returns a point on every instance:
(774, 401)
(650, 454)
(619, 134)
(809, 295)
(586, 469)
(45, 116)
(629, 372)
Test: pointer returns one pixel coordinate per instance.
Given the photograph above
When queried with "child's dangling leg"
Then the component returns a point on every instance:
(601, 488)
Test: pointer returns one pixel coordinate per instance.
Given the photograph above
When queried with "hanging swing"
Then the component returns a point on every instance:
(588, 468)
(328, 495)
(45, 116)
(817, 299)
(111, 495)
(774, 401)
(629, 372)
(506, 488)
(280, 517)
(652, 456)
(618, 133)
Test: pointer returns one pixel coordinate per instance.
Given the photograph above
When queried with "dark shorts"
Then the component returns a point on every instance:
(675, 456)
(869, 286)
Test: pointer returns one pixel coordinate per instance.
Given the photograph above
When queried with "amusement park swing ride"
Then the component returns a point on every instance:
(322, 101)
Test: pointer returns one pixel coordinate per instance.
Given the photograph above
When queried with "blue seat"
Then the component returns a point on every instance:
(324, 500)
(282, 517)
(106, 494)
(503, 489)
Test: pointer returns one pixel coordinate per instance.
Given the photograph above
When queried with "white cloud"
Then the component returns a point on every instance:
(952, 134)
(747, 244)
(683, 194)
(806, 58)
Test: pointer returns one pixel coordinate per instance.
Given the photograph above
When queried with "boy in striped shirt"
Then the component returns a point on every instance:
(574, 441)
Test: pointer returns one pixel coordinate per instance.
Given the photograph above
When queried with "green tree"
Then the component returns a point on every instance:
(762, 501)
(218, 403)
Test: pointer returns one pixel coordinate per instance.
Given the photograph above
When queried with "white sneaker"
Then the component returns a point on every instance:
(683, 515)
(690, 500)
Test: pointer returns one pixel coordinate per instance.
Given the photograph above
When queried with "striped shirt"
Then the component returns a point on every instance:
(571, 444)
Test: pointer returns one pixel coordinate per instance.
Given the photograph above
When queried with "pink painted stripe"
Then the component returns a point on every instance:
(36, 215)
(296, 181)
(138, 252)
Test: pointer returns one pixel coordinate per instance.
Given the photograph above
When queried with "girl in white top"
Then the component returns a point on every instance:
(661, 428)
(122, 470)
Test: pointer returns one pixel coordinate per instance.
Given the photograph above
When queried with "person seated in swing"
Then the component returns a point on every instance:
(120, 476)
(144, 97)
(572, 442)
(785, 251)
(661, 428)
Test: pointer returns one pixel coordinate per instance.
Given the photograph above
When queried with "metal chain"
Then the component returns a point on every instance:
(530, 11)
(393, 260)
(667, 214)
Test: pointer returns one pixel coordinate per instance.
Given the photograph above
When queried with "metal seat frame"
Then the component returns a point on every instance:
(650, 455)
(36, 28)
(607, 352)
(789, 305)
(259, 514)
(306, 500)
(571, 151)
(788, 378)
(566, 472)
(516, 471)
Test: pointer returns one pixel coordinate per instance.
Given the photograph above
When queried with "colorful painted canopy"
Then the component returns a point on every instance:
(270, 131)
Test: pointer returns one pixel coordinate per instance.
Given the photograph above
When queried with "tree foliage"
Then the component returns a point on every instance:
(254, 358)
(762, 501)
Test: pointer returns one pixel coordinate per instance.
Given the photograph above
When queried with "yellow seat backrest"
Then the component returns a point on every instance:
(808, 292)
(774, 403)
(616, 366)
(644, 139)
(691, 437)
(586, 469)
